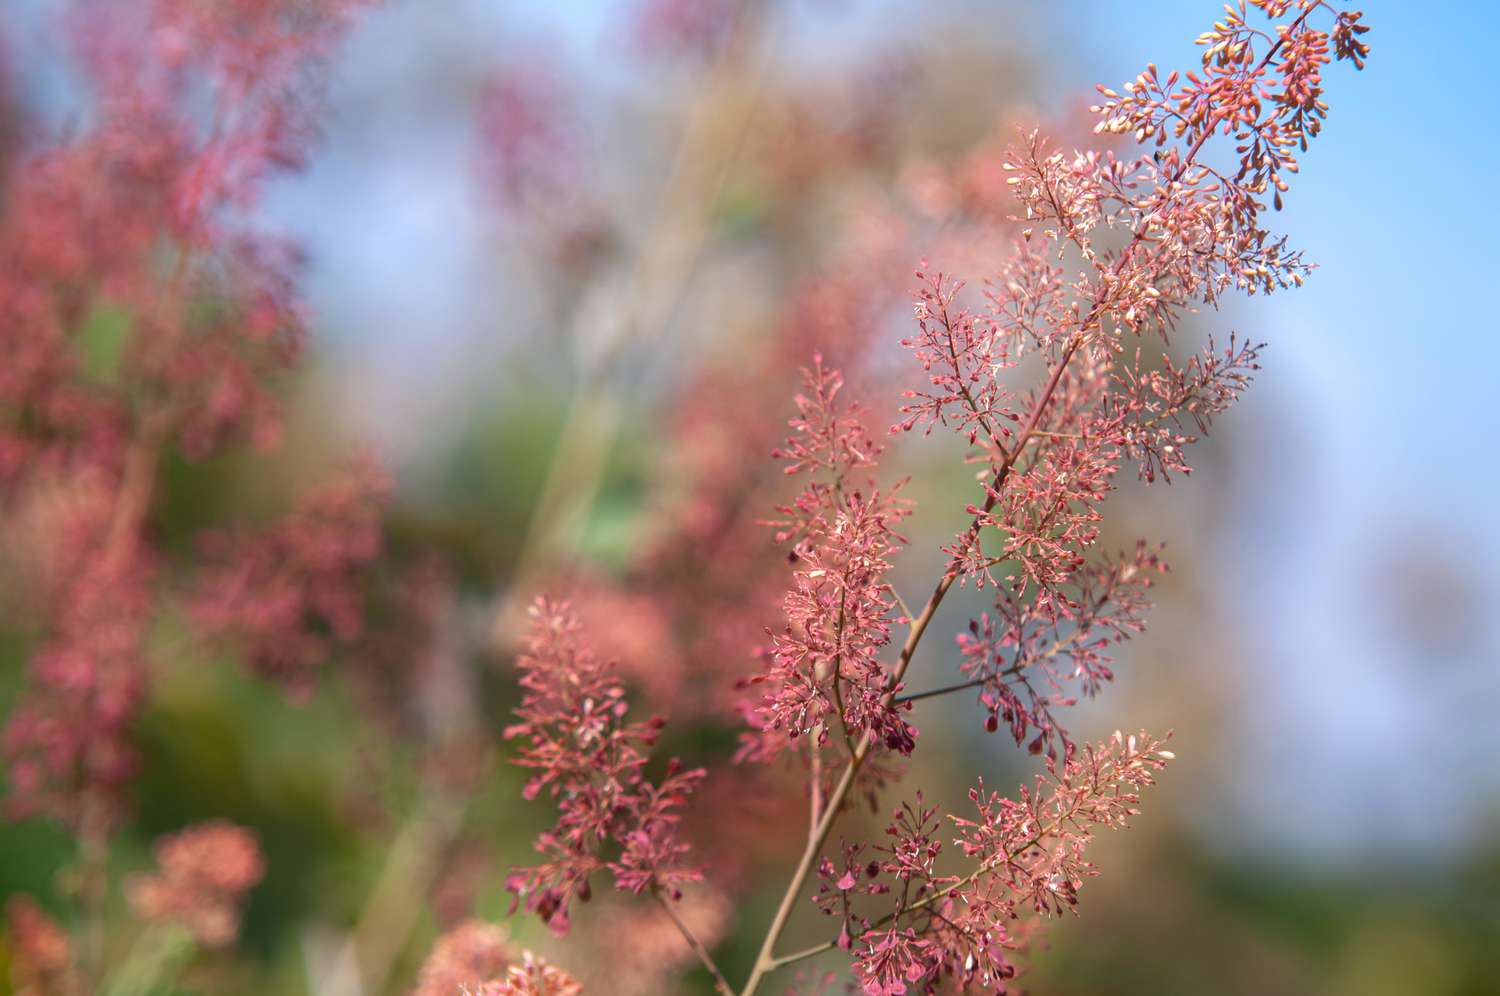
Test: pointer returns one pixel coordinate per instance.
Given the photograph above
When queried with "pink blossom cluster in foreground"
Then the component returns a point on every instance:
(585, 754)
(1047, 379)
(473, 959)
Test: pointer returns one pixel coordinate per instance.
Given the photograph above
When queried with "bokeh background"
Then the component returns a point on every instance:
(1323, 648)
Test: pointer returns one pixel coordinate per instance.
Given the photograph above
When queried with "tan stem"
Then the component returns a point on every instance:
(720, 983)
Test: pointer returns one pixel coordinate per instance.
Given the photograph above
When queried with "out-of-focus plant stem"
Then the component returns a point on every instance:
(157, 956)
(699, 170)
(662, 271)
(392, 910)
(131, 505)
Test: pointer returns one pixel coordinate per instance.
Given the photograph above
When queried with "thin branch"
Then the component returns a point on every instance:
(805, 953)
(815, 805)
(838, 702)
(934, 692)
(901, 603)
(720, 983)
(838, 670)
(1016, 668)
(388, 917)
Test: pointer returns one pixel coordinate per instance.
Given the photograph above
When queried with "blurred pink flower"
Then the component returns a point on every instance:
(205, 872)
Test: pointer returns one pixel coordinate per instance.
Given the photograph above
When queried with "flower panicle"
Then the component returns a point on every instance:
(473, 958)
(1114, 246)
(824, 671)
(1028, 658)
(204, 873)
(574, 734)
(911, 926)
(287, 597)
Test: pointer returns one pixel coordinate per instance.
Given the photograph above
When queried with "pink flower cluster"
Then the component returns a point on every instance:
(825, 675)
(472, 959)
(531, 976)
(41, 955)
(284, 596)
(1023, 657)
(139, 312)
(205, 872)
(694, 28)
(66, 741)
(1188, 233)
(575, 736)
(1026, 855)
(466, 955)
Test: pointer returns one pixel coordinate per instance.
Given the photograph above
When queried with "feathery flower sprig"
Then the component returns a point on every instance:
(824, 674)
(1187, 233)
(1026, 856)
(138, 223)
(1113, 248)
(585, 754)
